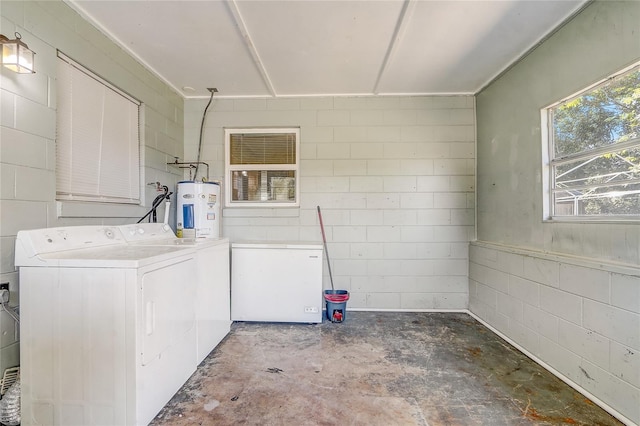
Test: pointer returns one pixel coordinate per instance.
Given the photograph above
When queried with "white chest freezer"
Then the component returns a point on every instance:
(276, 281)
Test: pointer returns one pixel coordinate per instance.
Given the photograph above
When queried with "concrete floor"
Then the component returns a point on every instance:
(376, 368)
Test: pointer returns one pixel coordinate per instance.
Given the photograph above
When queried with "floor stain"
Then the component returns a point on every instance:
(475, 351)
(533, 414)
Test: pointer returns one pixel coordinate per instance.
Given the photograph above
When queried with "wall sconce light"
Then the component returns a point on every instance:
(16, 55)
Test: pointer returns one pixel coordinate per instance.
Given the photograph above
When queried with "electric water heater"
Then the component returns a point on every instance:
(198, 209)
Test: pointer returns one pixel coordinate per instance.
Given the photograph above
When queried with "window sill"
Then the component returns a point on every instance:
(604, 220)
(102, 210)
(261, 212)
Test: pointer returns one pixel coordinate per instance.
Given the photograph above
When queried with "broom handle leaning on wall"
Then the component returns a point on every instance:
(324, 241)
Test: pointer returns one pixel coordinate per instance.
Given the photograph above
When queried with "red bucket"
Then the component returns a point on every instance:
(336, 298)
(336, 304)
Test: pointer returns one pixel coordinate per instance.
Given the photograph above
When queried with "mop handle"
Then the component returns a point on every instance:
(324, 241)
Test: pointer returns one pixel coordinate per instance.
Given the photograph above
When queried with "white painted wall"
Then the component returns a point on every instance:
(568, 293)
(27, 132)
(394, 177)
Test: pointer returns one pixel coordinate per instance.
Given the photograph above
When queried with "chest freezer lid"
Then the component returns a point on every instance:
(289, 245)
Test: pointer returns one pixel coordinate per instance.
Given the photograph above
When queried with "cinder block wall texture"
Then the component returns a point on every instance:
(579, 316)
(394, 177)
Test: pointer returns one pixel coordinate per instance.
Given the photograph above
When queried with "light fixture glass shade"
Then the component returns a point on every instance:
(16, 55)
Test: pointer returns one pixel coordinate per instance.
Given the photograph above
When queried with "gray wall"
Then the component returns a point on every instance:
(600, 41)
(27, 133)
(566, 293)
(394, 177)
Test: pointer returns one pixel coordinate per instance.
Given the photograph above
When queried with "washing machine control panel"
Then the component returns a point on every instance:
(34, 242)
(140, 232)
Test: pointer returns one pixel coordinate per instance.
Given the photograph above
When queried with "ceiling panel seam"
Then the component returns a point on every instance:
(401, 27)
(538, 43)
(111, 36)
(237, 16)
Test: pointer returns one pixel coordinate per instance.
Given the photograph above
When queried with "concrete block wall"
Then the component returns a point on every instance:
(579, 316)
(394, 177)
(28, 131)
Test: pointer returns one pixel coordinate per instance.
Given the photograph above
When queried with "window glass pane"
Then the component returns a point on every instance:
(600, 169)
(263, 185)
(605, 184)
(262, 148)
(605, 115)
(594, 151)
(616, 200)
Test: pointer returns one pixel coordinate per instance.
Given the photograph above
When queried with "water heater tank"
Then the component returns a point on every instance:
(198, 209)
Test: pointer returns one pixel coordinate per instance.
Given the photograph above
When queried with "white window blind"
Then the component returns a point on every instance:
(97, 141)
(263, 148)
(262, 167)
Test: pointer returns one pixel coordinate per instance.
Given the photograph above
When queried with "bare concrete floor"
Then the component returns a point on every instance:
(375, 369)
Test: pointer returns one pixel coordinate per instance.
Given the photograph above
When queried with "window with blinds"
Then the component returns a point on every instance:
(97, 140)
(262, 167)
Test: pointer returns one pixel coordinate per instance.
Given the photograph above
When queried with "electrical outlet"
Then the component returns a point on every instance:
(310, 309)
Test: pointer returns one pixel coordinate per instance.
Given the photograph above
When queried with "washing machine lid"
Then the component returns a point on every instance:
(128, 256)
(87, 246)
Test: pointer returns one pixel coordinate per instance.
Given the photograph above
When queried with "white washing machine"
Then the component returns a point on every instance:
(213, 316)
(107, 329)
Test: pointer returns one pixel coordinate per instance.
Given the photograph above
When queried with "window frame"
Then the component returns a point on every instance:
(74, 204)
(550, 161)
(230, 168)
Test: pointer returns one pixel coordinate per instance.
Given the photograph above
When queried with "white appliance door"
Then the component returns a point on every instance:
(279, 284)
(166, 328)
(212, 303)
(168, 296)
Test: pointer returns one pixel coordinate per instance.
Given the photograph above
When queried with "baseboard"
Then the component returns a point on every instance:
(459, 311)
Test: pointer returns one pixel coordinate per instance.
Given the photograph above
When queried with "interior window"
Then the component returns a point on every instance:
(262, 167)
(594, 150)
(97, 140)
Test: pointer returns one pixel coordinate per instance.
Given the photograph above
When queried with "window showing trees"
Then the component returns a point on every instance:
(262, 167)
(594, 150)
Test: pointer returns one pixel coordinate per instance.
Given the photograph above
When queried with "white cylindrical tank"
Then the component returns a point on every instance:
(198, 209)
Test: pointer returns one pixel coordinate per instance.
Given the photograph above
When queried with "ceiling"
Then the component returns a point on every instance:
(272, 48)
